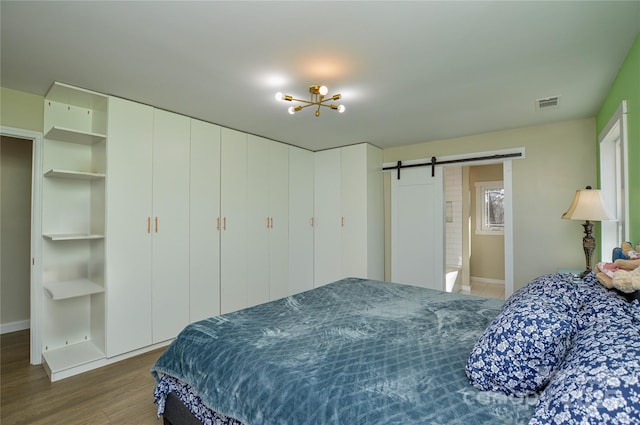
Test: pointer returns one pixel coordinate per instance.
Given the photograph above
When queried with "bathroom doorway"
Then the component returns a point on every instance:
(474, 229)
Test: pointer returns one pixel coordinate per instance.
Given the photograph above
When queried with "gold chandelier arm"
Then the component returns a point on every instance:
(324, 102)
(301, 100)
(307, 105)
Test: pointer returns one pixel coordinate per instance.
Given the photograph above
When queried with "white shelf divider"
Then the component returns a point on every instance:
(74, 136)
(71, 237)
(72, 355)
(80, 175)
(71, 289)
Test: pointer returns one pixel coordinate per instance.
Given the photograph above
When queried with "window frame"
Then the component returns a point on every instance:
(482, 227)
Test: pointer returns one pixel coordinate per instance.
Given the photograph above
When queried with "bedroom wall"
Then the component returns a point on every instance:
(627, 87)
(21, 110)
(560, 158)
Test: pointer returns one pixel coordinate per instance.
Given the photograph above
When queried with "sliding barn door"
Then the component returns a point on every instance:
(417, 228)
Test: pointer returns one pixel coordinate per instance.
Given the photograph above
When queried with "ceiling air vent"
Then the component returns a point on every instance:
(548, 103)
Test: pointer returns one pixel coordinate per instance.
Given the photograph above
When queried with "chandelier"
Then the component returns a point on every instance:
(316, 98)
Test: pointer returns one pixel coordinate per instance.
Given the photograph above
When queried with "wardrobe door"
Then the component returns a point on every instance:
(128, 227)
(327, 230)
(233, 212)
(170, 271)
(258, 220)
(353, 190)
(300, 220)
(375, 214)
(279, 220)
(362, 212)
(204, 252)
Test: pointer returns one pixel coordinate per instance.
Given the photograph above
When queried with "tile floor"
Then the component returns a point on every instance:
(489, 290)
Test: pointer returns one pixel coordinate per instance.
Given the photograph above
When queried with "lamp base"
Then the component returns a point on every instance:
(588, 245)
(584, 274)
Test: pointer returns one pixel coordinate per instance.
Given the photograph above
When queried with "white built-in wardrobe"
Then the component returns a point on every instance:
(181, 220)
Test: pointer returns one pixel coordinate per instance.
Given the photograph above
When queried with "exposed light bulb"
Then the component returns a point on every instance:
(292, 110)
(279, 95)
(341, 108)
(323, 90)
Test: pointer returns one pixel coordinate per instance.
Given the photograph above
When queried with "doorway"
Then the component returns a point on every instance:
(20, 229)
(15, 231)
(474, 229)
(401, 261)
(434, 230)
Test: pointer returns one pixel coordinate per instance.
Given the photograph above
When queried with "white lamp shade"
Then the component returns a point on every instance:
(588, 205)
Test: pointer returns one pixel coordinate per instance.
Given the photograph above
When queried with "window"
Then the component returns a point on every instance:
(614, 180)
(490, 208)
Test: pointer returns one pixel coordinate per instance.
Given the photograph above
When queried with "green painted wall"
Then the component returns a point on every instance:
(627, 87)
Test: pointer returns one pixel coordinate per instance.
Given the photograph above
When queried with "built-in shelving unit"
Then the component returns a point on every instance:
(73, 223)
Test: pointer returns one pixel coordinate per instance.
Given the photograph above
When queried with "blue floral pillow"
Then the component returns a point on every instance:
(522, 348)
(558, 289)
(599, 381)
(600, 304)
(635, 312)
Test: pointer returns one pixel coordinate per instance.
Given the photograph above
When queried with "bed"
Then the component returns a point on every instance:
(367, 352)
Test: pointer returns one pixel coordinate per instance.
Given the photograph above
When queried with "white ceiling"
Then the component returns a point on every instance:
(409, 72)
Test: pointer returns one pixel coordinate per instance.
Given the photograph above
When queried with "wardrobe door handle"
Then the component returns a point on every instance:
(218, 223)
(224, 223)
(342, 222)
(148, 224)
(312, 222)
(156, 224)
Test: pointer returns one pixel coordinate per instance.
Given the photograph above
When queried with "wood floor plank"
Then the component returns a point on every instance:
(121, 393)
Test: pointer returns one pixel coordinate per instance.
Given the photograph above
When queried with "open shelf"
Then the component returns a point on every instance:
(74, 136)
(71, 236)
(72, 355)
(80, 175)
(71, 289)
(76, 96)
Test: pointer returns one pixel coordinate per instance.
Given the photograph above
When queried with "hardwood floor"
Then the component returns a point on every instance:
(121, 393)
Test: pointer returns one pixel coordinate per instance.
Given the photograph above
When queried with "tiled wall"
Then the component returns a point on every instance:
(453, 216)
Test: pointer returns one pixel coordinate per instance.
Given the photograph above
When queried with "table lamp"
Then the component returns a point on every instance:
(588, 205)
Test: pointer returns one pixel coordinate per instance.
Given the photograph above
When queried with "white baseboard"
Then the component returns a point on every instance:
(6, 328)
(465, 288)
(487, 280)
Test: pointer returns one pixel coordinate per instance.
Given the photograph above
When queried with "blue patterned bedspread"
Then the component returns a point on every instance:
(351, 352)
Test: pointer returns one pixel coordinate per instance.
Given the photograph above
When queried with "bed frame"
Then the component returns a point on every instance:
(176, 413)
